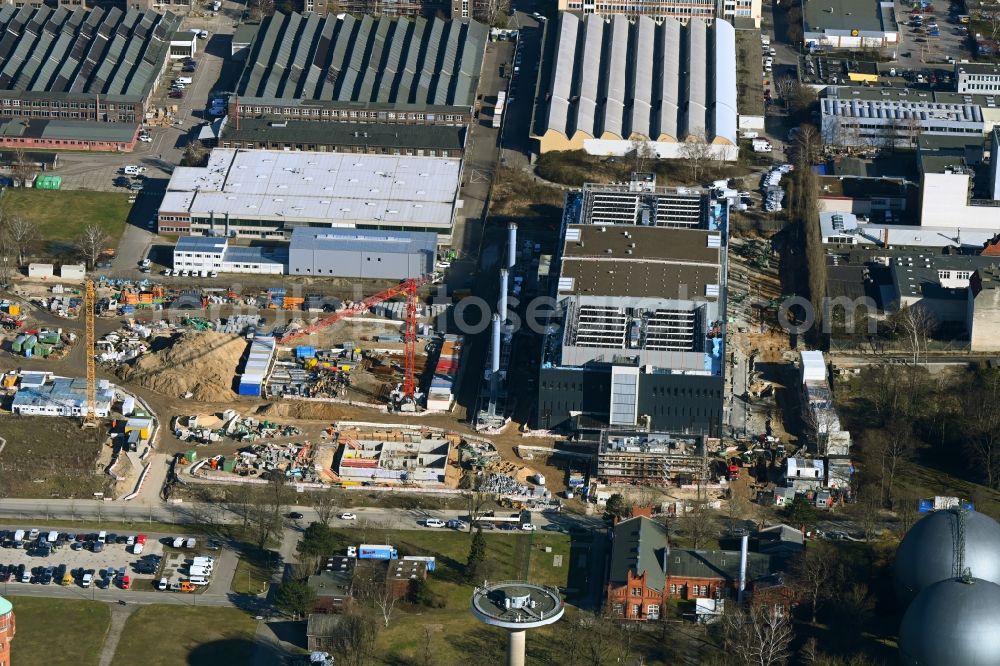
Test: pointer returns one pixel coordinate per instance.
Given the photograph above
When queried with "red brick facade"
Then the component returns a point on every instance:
(32, 143)
(7, 628)
(635, 601)
(685, 588)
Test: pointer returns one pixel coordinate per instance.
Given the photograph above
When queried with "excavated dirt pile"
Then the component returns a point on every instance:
(202, 363)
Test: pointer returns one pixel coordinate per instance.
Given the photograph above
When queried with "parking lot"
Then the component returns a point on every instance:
(79, 555)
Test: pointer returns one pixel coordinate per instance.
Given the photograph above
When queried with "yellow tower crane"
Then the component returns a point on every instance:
(90, 408)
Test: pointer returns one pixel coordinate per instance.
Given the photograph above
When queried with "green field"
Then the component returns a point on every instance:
(58, 632)
(62, 215)
(168, 635)
(49, 457)
(253, 575)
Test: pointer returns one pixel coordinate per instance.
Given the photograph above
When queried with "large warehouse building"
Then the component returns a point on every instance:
(682, 10)
(370, 70)
(265, 194)
(638, 339)
(98, 65)
(360, 253)
(616, 80)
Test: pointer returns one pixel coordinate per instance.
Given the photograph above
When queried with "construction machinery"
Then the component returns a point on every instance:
(90, 350)
(406, 288)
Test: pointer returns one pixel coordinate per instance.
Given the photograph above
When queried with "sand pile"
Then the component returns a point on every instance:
(203, 363)
(309, 411)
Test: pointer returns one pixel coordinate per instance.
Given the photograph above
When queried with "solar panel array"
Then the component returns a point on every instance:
(98, 51)
(620, 77)
(389, 61)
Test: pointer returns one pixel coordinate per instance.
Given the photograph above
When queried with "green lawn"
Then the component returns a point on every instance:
(167, 635)
(62, 215)
(57, 632)
(253, 575)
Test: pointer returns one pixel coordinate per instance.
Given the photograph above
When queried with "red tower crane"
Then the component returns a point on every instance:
(407, 288)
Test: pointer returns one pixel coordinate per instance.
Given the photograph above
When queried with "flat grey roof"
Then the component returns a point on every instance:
(977, 68)
(328, 188)
(200, 244)
(340, 59)
(41, 128)
(664, 263)
(82, 53)
(863, 15)
(258, 130)
(256, 255)
(362, 240)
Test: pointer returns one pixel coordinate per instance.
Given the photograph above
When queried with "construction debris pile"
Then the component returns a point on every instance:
(42, 343)
(208, 428)
(59, 303)
(503, 484)
(251, 429)
(770, 187)
(294, 460)
(199, 365)
(394, 456)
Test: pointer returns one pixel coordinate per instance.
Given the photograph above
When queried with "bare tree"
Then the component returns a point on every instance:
(91, 243)
(477, 501)
(982, 425)
(22, 169)
(495, 12)
(809, 143)
(759, 635)
(696, 523)
(20, 234)
(643, 152)
(914, 325)
(813, 571)
(195, 152)
(266, 510)
(260, 8)
(698, 154)
(888, 450)
(324, 504)
(355, 638)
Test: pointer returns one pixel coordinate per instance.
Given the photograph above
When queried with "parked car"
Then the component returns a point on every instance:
(528, 527)
(295, 515)
(434, 522)
(348, 516)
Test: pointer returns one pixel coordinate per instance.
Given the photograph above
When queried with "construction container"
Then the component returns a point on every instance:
(229, 465)
(40, 270)
(305, 352)
(43, 350)
(18, 344)
(73, 271)
(14, 309)
(191, 455)
(30, 342)
(48, 182)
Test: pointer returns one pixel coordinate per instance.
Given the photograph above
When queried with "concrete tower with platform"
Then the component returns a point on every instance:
(516, 606)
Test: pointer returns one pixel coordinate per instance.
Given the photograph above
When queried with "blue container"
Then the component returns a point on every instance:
(28, 352)
(925, 506)
(305, 352)
(249, 389)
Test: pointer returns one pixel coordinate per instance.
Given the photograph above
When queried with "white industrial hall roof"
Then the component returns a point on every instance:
(331, 187)
(621, 77)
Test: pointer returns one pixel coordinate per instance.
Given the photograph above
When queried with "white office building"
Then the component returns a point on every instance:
(977, 78)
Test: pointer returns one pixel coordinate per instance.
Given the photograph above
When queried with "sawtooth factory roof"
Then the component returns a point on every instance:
(618, 77)
(368, 62)
(116, 54)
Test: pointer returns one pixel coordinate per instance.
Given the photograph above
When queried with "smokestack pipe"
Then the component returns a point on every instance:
(502, 307)
(495, 359)
(511, 244)
(744, 545)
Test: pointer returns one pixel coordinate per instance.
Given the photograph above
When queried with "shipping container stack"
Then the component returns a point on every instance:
(258, 363)
(441, 395)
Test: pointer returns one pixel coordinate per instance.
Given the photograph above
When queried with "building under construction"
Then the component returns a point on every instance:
(650, 458)
(62, 396)
(393, 456)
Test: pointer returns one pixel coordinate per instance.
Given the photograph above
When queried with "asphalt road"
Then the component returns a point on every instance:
(23, 511)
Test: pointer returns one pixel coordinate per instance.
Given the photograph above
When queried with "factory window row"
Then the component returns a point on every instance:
(350, 114)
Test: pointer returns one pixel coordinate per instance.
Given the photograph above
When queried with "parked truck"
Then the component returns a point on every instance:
(368, 551)
(761, 146)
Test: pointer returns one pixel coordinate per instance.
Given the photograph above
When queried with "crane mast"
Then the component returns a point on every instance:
(90, 407)
(406, 288)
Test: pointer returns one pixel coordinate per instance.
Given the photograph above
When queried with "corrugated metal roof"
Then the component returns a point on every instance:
(622, 78)
(362, 240)
(200, 244)
(376, 60)
(86, 52)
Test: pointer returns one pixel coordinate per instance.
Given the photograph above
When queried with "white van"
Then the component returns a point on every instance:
(434, 522)
(762, 146)
(186, 80)
(134, 170)
(102, 537)
(178, 542)
(198, 580)
(191, 543)
(52, 537)
(199, 572)
(137, 549)
(203, 560)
